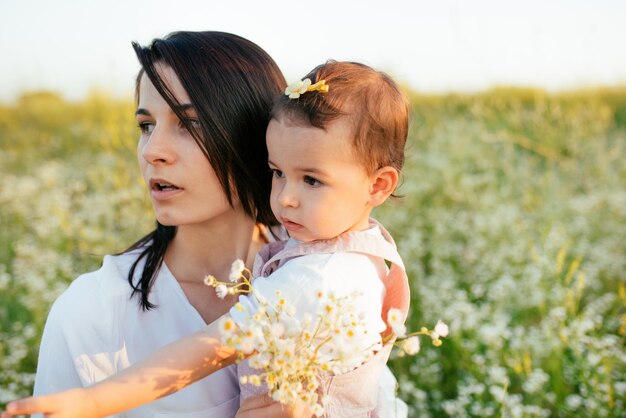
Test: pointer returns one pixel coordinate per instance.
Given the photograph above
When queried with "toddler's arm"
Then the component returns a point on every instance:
(170, 369)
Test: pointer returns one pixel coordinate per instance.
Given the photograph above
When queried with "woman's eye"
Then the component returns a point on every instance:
(146, 127)
(276, 173)
(312, 181)
(193, 123)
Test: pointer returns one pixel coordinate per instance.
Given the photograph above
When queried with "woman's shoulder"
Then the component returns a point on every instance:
(98, 292)
(88, 316)
(109, 279)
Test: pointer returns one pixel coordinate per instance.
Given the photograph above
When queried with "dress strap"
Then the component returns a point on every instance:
(354, 241)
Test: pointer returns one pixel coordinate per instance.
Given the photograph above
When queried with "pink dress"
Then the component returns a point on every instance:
(355, 393)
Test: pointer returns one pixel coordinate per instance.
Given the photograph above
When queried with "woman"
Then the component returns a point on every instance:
(203, 107)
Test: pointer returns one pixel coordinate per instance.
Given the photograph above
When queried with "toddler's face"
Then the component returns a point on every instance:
(319, 188)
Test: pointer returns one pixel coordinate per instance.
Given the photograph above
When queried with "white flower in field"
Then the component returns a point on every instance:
(290, 310)
(280, 394)
(307, 320)
(535, 383)
(394, 317)
(247, 344)
(399, 330)
(411, 345)
(497, 392)
(290, 354)
(277, 330)
(255, 380)
(236, 269)
(210, 280)
(317, 410)
(287, 350)
(498, 375)
(221, 291)
(293, 328)
(295, 89)
(260, 361)
(227, 326)
(441, 329)
(573, 402)
(258, 317)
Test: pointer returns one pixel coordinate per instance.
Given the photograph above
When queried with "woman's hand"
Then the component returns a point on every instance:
(262, 406)
(74, 403)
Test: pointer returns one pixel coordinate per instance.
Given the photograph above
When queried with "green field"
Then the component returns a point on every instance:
(512, 223)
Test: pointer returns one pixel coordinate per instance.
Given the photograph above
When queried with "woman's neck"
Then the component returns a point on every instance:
(210, 248)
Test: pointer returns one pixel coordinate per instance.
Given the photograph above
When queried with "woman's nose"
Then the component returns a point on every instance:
(157, 147)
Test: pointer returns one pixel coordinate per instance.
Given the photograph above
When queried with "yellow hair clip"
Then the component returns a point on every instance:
(295, 89)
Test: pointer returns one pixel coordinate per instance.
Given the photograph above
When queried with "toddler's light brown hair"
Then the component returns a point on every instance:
(370, 99)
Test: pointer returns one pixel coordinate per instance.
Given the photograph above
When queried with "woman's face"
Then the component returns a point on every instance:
(182, 184)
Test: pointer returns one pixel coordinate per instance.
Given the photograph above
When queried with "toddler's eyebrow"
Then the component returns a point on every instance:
(312, 170)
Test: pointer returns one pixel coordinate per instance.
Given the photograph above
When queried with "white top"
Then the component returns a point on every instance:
(95, 329)
(340, 273)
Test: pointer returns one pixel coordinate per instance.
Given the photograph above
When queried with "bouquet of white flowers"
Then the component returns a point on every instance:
(291, 354)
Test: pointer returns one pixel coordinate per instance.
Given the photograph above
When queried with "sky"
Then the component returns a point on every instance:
(432, 46)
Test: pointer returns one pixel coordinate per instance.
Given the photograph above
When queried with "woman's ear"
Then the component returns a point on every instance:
(383, 183)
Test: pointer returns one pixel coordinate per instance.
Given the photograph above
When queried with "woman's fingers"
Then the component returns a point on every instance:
(30, 405)
(255, 406)
(72, 403)
(262, 406)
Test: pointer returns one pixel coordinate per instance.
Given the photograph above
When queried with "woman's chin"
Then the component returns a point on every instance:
(166, 219)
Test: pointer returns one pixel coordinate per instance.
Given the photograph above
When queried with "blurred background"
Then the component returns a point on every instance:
(73, 46)
(513, 219)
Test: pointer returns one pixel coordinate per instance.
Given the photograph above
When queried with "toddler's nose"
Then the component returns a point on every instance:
(288, 198)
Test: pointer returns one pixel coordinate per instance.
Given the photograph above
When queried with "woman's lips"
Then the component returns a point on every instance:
(161, 189)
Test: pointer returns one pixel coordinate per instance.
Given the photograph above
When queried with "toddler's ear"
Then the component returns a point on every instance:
(384, 182)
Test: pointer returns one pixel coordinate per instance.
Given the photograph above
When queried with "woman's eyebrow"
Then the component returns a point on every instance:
(185, 107)
(182, 108)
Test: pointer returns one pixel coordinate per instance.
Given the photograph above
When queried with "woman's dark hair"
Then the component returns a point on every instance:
(231, 83)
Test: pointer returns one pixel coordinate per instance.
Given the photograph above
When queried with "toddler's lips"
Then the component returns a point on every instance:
(291, 226)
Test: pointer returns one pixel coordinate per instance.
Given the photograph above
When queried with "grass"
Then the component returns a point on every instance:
(512, 228)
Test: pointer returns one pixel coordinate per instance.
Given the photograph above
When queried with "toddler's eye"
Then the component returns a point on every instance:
(312, 181)
(146, 127)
